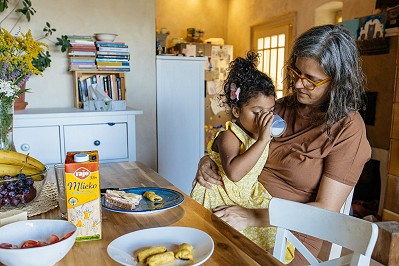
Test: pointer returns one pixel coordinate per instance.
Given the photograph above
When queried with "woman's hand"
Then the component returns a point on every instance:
(207, 173)
(237, 217)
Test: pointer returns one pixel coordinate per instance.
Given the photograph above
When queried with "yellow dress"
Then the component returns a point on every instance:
(248, 192)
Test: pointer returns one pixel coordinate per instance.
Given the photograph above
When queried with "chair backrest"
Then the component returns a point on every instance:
(335, 251)
(352, 233)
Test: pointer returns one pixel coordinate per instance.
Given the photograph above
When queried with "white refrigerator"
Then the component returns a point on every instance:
(180, 117)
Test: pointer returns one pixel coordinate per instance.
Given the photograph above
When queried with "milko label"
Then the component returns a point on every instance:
(83, 197)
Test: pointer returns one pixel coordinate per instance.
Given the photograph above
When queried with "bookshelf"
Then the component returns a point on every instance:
(118, 89)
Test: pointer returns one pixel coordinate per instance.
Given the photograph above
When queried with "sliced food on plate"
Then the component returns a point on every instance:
(151, 195)
(122, 199)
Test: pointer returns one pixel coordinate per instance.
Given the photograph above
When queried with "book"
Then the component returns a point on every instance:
(113, 49)
(111, 60)
(113, 53)
(116, 63)
(103, 56)
(82, 53)
(111, 44)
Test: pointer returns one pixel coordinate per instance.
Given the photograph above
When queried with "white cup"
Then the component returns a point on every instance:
(278, 126)
(59, 170)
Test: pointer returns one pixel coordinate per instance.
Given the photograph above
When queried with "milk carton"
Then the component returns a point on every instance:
(82, 187)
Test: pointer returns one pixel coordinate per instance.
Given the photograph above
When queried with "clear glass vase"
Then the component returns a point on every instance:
(6, 125)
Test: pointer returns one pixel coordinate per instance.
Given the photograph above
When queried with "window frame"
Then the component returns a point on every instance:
(282, 24)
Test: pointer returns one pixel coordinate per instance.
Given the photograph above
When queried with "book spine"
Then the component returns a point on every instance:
(111, 44)
(113, 53)
(113, 49)
(126, 64)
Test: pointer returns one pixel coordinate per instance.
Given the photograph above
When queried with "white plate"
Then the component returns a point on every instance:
(123, 248)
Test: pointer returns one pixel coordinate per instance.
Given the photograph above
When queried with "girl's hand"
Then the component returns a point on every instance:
(264, 121)
(207, 173)
(236, 216)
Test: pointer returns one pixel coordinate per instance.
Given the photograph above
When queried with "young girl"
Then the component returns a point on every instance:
(241, 149)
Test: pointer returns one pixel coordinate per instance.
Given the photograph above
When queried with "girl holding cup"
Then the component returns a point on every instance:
(241, 149)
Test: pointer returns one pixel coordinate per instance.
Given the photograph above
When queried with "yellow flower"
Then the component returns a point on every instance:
(16, 55)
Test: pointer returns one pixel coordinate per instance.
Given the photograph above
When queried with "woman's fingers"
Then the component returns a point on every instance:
(207, 173)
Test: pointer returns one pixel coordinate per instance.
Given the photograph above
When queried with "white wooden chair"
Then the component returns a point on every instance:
(352, 233)
(335, 251)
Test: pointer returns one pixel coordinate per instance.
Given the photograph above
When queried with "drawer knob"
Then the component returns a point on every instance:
(25, 147)
(97, 143)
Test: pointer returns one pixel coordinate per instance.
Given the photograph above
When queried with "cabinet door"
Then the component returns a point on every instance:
(43, 143)
(109, 139)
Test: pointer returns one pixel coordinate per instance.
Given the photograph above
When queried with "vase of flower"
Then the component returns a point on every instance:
(6, 125)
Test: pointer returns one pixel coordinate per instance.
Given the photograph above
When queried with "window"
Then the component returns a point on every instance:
(272, 41)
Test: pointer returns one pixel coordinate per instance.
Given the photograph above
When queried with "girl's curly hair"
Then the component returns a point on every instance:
(244, 74)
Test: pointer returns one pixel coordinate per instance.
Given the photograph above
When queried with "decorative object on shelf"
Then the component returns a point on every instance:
(105, 37)
(20, 103)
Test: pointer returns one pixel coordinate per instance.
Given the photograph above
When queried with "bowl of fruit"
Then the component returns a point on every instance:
(36, 242)
(22, 178)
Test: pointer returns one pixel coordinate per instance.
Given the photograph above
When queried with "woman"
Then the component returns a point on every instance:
(319, 158)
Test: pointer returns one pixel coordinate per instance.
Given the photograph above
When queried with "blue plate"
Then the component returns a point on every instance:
(171, 198)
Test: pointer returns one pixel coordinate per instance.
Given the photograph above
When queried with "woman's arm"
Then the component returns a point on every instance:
(331, 196)
(207, 172)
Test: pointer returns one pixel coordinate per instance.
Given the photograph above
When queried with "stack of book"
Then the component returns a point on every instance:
(112, 56)
(82, 54)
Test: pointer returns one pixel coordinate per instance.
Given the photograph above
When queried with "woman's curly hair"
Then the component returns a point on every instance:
(244, 74)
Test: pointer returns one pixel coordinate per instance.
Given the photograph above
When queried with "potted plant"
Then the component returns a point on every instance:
(24, 9)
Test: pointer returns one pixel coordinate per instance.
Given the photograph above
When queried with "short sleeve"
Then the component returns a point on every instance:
(350, 151)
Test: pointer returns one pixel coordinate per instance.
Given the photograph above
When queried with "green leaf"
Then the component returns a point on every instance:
(64, 43)
(3, 5)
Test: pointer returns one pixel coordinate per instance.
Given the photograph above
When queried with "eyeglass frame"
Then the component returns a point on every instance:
(315, 84)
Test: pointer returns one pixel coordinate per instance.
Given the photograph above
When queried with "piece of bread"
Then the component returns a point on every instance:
(160, 258)
(121, 199)
(142, 255)
(184, 252)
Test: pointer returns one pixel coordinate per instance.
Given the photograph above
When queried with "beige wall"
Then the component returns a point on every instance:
(134, 22)
(232, 19)
(178, 15)
(257, 12)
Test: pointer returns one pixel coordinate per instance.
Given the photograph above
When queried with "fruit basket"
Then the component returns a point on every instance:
(21, 179)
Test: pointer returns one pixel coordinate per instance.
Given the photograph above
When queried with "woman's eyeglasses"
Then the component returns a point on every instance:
(307, 83)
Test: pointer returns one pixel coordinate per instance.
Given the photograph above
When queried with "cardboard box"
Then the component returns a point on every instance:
(82, 185)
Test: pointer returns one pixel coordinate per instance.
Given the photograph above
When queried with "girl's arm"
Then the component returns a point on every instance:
(237, 165)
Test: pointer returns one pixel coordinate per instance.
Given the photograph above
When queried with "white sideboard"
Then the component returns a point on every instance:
(49, 133)
(180, 118)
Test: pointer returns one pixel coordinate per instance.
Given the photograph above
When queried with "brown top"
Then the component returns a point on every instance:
(304, 153)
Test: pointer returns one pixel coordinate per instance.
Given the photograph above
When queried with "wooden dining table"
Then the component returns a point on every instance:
(230, 246)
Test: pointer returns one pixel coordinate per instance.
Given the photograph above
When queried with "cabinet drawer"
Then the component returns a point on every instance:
(110, 139)
(43, 143)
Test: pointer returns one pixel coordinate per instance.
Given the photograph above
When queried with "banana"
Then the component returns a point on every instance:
(14, 170)
(16, 158)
